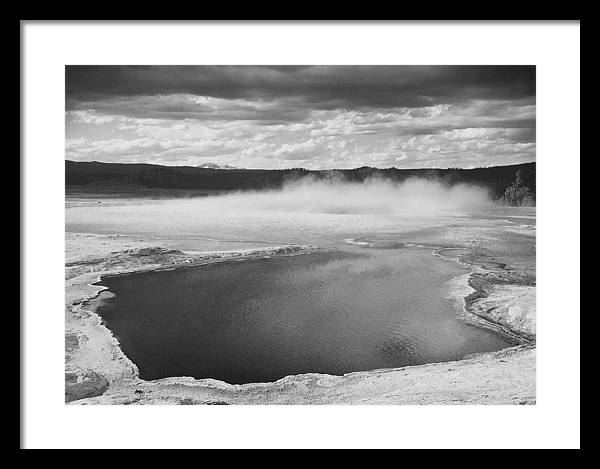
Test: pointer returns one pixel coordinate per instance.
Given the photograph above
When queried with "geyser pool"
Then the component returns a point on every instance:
(259, 320)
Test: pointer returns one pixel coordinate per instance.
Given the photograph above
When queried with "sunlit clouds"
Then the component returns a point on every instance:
(312, 117)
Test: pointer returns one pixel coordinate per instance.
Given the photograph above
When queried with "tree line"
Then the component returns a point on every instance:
(510, 185)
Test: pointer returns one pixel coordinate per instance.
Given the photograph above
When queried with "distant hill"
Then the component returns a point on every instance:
(215, 166)
(96, 174)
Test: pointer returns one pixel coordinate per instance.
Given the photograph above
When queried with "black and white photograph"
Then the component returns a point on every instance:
(298, 235)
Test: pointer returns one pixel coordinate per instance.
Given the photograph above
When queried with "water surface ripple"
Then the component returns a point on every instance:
(262, 319)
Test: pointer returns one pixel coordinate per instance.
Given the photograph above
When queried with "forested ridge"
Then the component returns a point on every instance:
(514, 184)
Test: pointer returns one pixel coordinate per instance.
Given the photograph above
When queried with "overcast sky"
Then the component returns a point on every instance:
(317, 117)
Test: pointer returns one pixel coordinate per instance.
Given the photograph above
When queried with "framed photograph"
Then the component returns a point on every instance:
(307, 235)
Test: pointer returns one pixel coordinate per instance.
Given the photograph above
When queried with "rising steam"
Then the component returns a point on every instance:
(302, 211)
(413, 197)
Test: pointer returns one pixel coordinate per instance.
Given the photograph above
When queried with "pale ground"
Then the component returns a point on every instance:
(97, 371)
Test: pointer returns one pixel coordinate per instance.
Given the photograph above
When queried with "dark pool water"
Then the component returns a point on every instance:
(260, 320)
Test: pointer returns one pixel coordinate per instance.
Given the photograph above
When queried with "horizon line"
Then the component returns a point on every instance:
(302, 168)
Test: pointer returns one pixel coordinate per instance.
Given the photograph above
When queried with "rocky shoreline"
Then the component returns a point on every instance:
(98, 372)
(503, 299)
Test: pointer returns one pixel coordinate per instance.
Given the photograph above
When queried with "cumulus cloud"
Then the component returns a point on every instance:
(317, 117)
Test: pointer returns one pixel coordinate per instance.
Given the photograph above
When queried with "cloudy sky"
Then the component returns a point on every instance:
(316, 117)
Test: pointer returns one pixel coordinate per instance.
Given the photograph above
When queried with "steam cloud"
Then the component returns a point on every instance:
(414, 197)
(302, 211)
